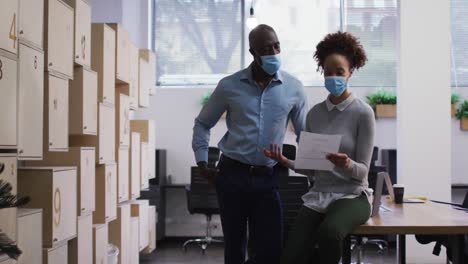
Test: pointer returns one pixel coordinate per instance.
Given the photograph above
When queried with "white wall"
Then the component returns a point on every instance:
(104, 11)
(137, 21)
(459, 146)
(423, 126)
(134, 15)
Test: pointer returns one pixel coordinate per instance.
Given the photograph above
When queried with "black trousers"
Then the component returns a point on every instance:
(249, 204)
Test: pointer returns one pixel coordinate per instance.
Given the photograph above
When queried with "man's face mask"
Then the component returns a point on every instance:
(271, 63)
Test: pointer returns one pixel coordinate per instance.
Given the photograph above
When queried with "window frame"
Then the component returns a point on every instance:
(243, 63)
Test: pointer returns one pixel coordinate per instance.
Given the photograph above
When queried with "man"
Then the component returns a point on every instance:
(259, 101)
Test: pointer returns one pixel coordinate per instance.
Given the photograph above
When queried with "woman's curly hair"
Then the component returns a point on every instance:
(342, 43)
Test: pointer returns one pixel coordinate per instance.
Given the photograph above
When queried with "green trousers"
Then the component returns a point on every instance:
(325, 230)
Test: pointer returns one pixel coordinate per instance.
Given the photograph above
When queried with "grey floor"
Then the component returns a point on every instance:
(171, 253)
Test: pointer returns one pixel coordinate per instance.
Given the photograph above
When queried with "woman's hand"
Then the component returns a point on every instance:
(341, 160)
(275, 153)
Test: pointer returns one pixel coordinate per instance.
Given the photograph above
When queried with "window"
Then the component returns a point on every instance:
(375, 22)
(199, 42)
(459, 43)
(300, 25)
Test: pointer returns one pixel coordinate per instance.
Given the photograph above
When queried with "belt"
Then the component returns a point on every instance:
(253, 170)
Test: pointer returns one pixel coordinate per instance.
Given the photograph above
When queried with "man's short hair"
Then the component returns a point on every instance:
(262, 28)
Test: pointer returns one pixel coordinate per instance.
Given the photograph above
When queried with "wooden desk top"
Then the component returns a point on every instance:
(416, 218)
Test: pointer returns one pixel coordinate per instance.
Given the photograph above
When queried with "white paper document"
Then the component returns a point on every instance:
(313, 149)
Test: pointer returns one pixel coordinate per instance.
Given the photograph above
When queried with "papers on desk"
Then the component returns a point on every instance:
(313, 149)
(412, 200)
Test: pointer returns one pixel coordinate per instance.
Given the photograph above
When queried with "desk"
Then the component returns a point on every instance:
(156, 194)
(417, 219)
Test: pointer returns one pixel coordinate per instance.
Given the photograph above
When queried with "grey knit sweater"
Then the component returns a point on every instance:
(355, 121)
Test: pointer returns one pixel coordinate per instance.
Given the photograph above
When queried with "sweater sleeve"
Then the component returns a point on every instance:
(364, 145)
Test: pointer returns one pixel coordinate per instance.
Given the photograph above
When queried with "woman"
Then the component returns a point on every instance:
(338, 201)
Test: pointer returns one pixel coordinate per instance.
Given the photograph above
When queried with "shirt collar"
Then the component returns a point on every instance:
(246, 74)
(341, 106)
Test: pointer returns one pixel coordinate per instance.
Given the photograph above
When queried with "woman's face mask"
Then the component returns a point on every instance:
(337, 73)
(336, 85)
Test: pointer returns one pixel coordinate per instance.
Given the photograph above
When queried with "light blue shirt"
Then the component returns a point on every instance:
(255, 118)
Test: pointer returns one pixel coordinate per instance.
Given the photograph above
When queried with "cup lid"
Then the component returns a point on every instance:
(398, 186)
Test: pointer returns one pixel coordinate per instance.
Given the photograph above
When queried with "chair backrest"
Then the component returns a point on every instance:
(378, 193)
(202, 197)
(465, 201)
(213, 156)
(291, 191)
(375, 156)
(389, 160)
(289, 151)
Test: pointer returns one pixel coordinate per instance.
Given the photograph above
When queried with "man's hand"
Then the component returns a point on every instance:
(341, 160)
(208, 173)
(275, 153)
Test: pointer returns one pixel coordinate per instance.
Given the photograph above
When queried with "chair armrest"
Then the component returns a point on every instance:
(377, 169)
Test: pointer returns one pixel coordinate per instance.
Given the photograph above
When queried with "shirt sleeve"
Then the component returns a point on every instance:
(208, 117)
(364, 146)
(299, 112)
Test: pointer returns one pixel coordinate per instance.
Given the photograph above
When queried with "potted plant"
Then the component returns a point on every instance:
(455, 99)
(462, 115)
(383, 103)
(206, 96)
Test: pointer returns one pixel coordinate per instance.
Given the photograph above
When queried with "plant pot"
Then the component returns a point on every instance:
(464, 124)
(385, 111)
(454, 110)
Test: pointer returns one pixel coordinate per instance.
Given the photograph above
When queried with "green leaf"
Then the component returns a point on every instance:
(382, 97)
(462, 110)
(455, 99)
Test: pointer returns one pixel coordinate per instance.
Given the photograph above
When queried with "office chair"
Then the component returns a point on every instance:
(202, 199)
(289, 151)
(213, 157)
(465, 201)
(358, 241)
(291, 190)
(443, 240)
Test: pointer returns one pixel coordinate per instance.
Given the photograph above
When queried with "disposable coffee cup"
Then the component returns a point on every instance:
(399, 191)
